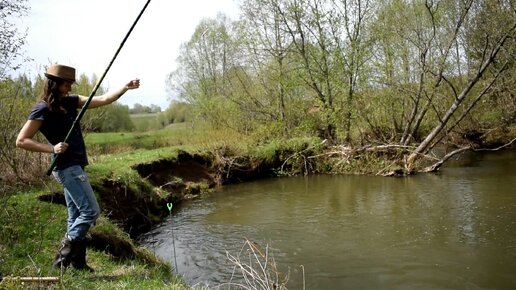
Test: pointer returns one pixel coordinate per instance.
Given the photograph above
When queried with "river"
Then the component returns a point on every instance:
(455, 229)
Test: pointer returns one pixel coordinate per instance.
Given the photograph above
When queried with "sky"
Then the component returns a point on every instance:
(85, 34)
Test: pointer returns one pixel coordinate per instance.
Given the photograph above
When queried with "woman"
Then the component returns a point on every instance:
(53, 116)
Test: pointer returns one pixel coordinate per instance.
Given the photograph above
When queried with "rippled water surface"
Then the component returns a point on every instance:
(452, 230)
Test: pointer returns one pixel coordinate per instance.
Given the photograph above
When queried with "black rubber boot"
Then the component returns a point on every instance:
(79, 256)
(64, 254)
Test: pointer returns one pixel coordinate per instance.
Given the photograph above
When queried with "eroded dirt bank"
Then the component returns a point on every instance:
(171, 181)
(137, 207)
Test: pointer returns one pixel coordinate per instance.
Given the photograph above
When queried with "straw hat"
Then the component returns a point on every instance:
(64, 72)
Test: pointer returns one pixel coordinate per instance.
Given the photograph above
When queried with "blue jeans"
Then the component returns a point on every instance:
(83, 209)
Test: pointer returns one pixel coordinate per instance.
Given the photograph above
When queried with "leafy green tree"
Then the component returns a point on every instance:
(307, 25)
(201, 78)
(315, 49)
(16, 99)
(267, 84)
(139, 109)
(177, 112)
(92, 119)
(436, 60)
(142, 109)
(155, 108)
(412, 73)
(16, 96)
(350, 30)
(116, 119)
(11, 40)
(460, 19)
(500, 104)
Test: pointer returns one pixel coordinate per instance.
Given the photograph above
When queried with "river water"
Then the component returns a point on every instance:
(455, 229)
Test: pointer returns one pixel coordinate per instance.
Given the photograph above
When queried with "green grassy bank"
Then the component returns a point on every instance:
(32, 227)
(32, 234)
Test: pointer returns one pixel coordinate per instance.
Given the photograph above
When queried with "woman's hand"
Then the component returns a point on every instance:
(60, 147)
(134, 84)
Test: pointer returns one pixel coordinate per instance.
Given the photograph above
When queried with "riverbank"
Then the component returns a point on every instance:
(31, 236)
(135, 188)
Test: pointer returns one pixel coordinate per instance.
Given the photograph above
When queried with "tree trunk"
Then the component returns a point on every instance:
(424, 146)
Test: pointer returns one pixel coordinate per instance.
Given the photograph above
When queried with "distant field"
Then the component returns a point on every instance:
(143, 115)
(179, 134)
(117, 137)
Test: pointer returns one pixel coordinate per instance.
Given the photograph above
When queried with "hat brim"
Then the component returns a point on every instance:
(51, 76)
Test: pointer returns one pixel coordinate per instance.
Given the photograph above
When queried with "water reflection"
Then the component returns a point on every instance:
(451, 230)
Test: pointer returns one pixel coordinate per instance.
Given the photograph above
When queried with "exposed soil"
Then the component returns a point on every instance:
(168, 174)
(134, 212)
(55, 197)
(119, 248)
(173, 175)
(183, 177)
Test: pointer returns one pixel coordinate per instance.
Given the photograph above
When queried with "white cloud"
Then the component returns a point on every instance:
(86, 34)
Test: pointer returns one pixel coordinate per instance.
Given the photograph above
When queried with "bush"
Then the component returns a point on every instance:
(17, 166)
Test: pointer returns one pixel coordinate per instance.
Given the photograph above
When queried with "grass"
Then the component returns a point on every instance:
(118, 166)
(179, 134)
(31, 231)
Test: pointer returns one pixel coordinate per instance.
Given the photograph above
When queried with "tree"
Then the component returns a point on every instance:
(16, 96)
(17, 166)
(177, 112)
(413, 73)
(488, 51)
(137, 109)
(307, 25)
(201, 78)
(112, 118)
(11, 40)
(155, 108)
(116, 119)
(92, 118)
(351, 34)
(267, 52)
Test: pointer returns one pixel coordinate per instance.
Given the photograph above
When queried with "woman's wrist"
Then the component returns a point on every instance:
(121, 92)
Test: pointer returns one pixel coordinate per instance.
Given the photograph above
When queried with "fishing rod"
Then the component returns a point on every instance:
(87, 103)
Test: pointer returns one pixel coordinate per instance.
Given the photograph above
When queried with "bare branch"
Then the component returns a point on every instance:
(438, 165)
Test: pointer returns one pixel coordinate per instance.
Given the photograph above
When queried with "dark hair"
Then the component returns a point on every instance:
(51, 94)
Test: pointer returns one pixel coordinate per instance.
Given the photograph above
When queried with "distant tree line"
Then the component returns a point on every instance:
(143, 109)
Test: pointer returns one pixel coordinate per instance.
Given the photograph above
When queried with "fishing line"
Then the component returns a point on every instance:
(86, 104)
(169, 206)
